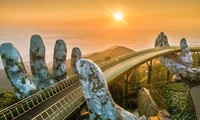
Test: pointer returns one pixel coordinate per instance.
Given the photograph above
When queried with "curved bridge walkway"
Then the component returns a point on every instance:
(65, 98)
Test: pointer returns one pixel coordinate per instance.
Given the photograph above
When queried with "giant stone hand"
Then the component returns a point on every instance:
(17, 74)
(180, 65)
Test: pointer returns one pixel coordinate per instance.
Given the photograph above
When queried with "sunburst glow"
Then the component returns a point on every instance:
(118, 16)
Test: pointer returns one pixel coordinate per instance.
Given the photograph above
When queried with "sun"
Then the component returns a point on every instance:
(118, 16)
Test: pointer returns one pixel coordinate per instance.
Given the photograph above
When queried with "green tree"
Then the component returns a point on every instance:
(7, 98)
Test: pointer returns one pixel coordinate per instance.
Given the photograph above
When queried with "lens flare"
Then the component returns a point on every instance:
(118, 16)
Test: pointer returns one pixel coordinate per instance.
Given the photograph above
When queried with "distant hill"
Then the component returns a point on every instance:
(97, 57)
(4, 82)
(101, 56)
(112, 52)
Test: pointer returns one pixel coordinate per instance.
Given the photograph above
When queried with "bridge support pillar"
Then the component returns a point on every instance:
(149, 70)
(125, 92)
(198, 55)
(198, 58)
(168, 74)
(127, 79)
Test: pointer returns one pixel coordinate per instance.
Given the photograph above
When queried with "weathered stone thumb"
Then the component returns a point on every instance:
(98, 98)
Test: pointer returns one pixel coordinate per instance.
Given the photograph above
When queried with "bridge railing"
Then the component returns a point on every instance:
(64, 107)
(34, 100)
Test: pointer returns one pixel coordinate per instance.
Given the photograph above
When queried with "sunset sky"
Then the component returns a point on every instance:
(90, 24)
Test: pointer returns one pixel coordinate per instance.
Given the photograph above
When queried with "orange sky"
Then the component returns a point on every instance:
(90, 25)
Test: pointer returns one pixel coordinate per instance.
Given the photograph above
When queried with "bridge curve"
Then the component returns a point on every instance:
(63, 107)
(120, 69)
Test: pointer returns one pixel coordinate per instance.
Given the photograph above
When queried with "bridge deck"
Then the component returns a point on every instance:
(119, 70)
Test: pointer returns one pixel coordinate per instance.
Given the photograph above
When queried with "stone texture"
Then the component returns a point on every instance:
(16, 72)
(186, 56)
(39, 68)
(96, 94)
(180, 65)
(146, 105)
(122, 114)
(163, 115)
(75, 56)
(98, 98)
(59, 60)
(162, 40)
